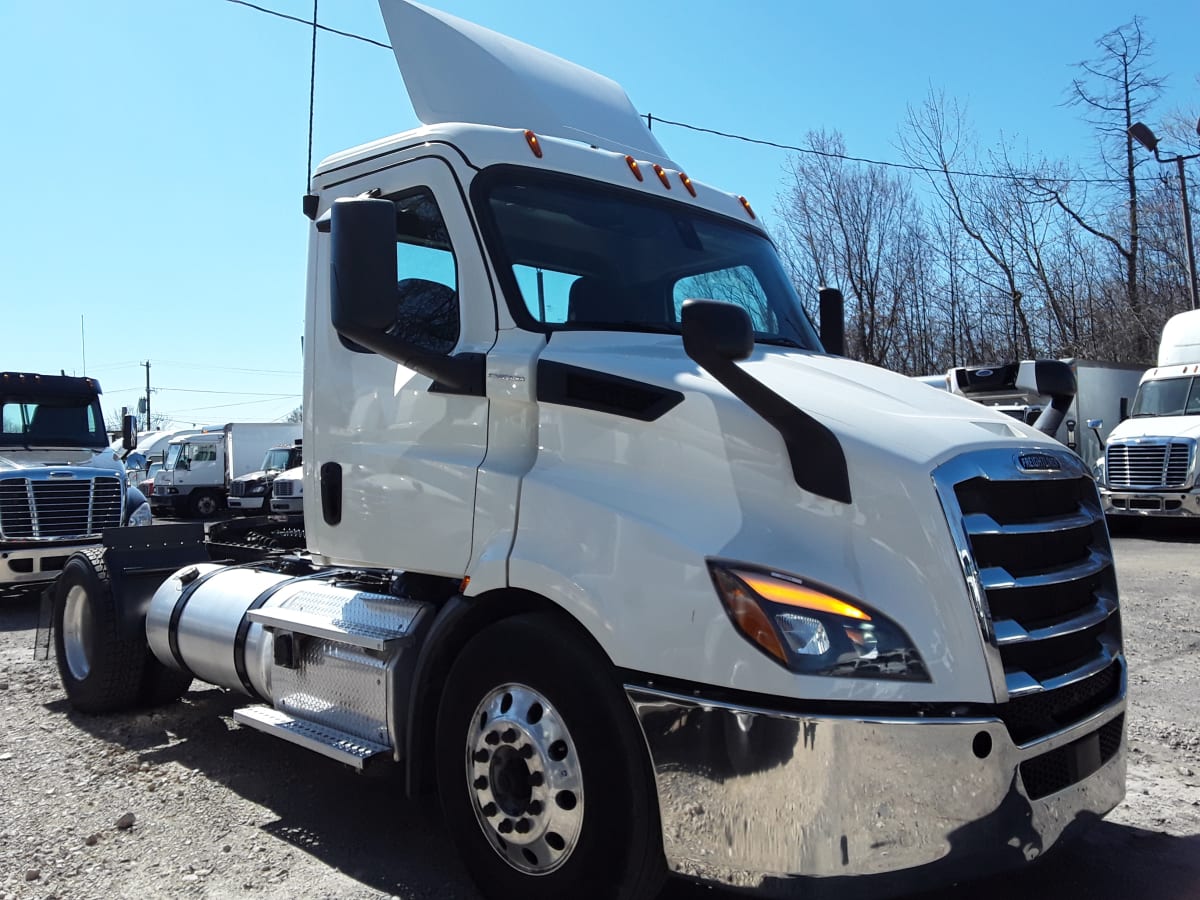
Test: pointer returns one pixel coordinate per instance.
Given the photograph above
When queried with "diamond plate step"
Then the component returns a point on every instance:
(301, 621)
(345, 748)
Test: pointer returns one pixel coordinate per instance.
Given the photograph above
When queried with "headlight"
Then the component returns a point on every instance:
(812, 629)
(141, 515)
(256, 490)
(1098, 470)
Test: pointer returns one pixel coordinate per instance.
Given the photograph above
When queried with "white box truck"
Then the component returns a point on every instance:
(199, 468)
(606, 550)
(1150, 465)
(61, 485)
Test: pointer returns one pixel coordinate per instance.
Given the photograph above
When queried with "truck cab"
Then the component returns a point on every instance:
(60, 483)
(251, 492)
(605, 548)
(1151, 467)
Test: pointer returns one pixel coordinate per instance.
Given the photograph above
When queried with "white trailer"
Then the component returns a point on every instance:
(606, 550)
(199, 468)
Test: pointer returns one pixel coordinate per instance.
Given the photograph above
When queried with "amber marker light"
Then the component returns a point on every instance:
(790, 594)
(534, 144)
(662, 176)
(746, 205)
(749, 616)
(687, 183)
(634, 168)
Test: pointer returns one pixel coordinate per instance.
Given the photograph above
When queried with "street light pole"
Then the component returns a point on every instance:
(1144, 136)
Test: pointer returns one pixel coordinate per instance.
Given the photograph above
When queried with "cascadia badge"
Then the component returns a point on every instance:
(1039, 462)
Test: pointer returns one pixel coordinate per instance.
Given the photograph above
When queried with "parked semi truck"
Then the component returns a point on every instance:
(605, 549)
(251, 493)
(60, 483)
(287, 491)
(199, 468)
(1150, 465)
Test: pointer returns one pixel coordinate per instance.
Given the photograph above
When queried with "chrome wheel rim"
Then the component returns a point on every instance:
(77, 632)
(524, 779)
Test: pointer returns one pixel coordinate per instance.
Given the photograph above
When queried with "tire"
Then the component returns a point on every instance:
(542, 772)
(100, 666)
(203, 504)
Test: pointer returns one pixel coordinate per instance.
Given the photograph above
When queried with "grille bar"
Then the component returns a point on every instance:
(982, 523)
(998, 579)
(1021, 684)
(1009, 631)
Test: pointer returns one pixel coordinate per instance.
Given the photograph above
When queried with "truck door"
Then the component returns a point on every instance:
(396, 456)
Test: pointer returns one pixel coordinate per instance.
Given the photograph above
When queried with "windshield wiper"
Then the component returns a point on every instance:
(779, 341)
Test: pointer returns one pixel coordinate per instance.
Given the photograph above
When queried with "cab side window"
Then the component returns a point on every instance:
(426, 304)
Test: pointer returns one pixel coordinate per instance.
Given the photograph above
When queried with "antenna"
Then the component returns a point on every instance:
(83, 342)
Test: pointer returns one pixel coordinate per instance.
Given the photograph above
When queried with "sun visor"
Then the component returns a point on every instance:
(456, 71)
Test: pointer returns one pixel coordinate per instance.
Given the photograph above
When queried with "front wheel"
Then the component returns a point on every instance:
(544, 778)
(203, 504)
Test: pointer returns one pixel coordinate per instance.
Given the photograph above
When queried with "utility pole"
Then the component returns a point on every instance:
(147, 365)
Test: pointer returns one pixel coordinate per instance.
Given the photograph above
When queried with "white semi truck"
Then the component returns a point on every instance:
(608, 552)
(251, 493)
(1150, 465)
(61, 485)
(200, 468)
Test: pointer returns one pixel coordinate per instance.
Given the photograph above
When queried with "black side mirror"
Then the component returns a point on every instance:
(833, 321)
(129, 433)
(363, 294)
(715, 328)
(1048, 378)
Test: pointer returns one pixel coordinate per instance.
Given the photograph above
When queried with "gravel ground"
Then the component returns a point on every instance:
(181, 802)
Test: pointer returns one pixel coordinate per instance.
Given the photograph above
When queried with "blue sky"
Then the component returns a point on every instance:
(155, 150)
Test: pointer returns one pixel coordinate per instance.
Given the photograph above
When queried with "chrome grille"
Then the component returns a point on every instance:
(282, 488)
(237, 489)
(1149, 463)
(1035, 551)
(45, 508)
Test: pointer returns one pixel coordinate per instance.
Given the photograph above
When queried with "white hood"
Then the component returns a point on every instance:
(13, 459)
(1157, 427)
(456, 71)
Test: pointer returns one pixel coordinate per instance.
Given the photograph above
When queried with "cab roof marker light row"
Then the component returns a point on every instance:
(634, 168)
(746, 206)
(812, 629)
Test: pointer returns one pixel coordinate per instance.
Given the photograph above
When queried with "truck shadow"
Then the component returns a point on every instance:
(365, 827)
(362, 825)
(1172, 531)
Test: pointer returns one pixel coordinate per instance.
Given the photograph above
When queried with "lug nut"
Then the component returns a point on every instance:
(506, 826)
(536, 779)
(480, 783)
(527, 751)
(534, 808)
(523, 826)
(509, 736)
(481, 756)
(492, 738)
(490, 809)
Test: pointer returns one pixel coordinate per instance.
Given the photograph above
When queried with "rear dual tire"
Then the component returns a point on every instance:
(105, 665)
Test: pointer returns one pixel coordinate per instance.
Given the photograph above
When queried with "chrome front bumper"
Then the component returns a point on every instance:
(1172, 504)
(36, 562)
(791, 805)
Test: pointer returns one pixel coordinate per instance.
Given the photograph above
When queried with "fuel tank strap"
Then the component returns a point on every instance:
(239, 641)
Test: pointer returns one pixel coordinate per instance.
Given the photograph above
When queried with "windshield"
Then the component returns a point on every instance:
(587, 257)
(173, 452)
(66, 421)
(1168, 397)
(277, 459)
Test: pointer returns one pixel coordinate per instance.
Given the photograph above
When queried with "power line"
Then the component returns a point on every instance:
(651, 118)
